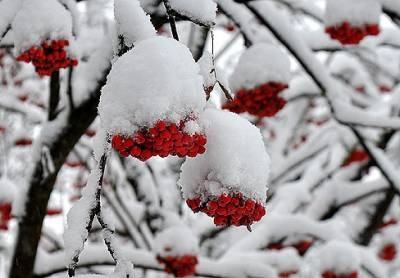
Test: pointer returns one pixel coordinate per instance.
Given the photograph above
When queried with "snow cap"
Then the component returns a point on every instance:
(261, 63)
(157, 80)
(176, 241)
(356, 12)
(235, 160)
(38, 21)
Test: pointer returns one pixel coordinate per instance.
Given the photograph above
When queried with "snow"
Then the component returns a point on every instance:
(339, 256)
(357, 12)
(78, 218)
(132, 22)
(7, 190)
(206, 65)
(235, 159)
(259, 64)
(203, 11)
(157, 80)
(40, 20)
(8, 9)
(176, 241)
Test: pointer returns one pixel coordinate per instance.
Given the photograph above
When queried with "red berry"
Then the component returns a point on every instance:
(388, 252)
(262, 101)
(179, 266)
(228, 209)
(5, 215)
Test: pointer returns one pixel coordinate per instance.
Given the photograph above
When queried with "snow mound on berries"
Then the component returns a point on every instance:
(259, 64)
(176, 241)
(132, 21)
(8, 9)
(235, 160)
(40, 20)
(339, 256)
(157, 80)
(7, 190)
(203, 11)
(356, 12)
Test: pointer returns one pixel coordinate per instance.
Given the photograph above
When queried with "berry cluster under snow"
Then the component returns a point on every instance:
(234, 165)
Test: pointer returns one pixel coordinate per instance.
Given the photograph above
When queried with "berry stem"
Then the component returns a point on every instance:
(171, 19)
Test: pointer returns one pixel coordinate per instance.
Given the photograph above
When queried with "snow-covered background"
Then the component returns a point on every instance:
(325, 166)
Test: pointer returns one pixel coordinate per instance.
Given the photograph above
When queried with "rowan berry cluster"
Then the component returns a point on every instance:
(162, 139)
(180, 266)
(23, 142)
(348, 34)
(332, 274)
(356, 156)
(229, 209)
(5, 215)
(388, 252)
(49, 57)
(301, 246)
(262, 101)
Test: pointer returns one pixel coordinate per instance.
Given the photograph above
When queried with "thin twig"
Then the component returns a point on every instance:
(171, 19)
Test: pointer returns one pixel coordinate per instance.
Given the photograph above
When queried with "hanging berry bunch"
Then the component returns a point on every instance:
(357, 155)
(228, 182)
(45, 42)
(162, 139)
(50, 56)
(157, 118)
(350, 22)
(178, 256)
(388, 252)
(262, 73)
(332, 274)
(5, 215)
(6, 198)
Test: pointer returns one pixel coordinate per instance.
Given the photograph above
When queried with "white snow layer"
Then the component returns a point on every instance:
(157, 80)
(8, 9)
(78, 218)
(7, 190)
(259, 64)
(357, 12)
(176, 241)
(339, 256)
(203, 11)
(235, 159)
(132, 21)
(40, 20)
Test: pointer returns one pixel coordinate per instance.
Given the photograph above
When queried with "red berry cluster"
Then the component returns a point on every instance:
(331, 274)
(385, 89)
(179, 266)
(229, 209)
(356, 156)
(5, 215)
(287, 274)
(262, 101)
(53, 211)
(348, 34)
(388, 252)
(23, 142)
(49, 57)
(301, 246)
(163, 139)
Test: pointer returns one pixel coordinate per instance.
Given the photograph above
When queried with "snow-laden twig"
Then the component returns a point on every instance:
(81, 215)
